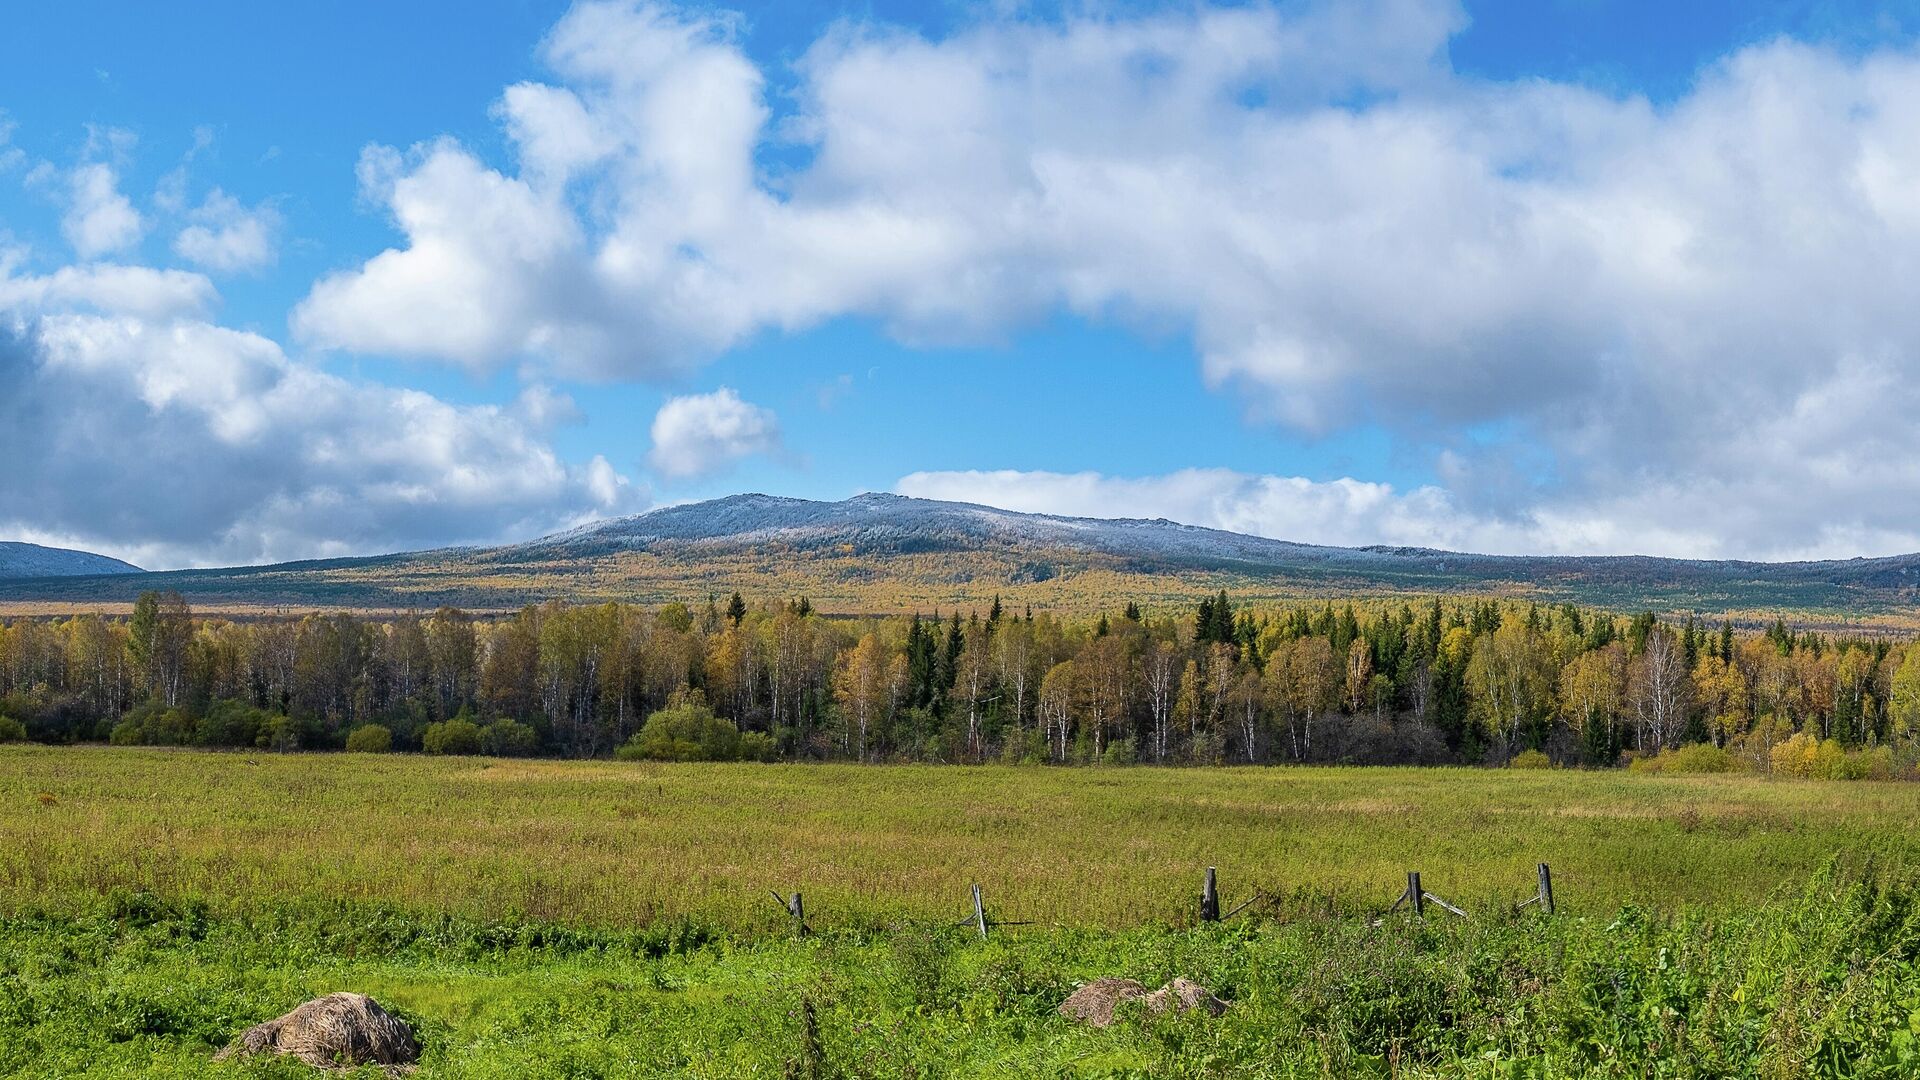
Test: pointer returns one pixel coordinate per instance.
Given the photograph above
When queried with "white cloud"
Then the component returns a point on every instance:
(1663, 520)
(1657, 305)
(133, 426)
(1344, 512)
(99, 220)
(109, 287)
(10, 156)
(702, 434)
(227, 236)
(543, 408)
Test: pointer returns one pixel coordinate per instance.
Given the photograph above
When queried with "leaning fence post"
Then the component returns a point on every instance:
(1209, 899)
(979, 913)
(1413, 891)
(1546, 889)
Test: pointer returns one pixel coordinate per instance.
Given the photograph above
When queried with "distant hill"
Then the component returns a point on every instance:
(19, 560)
(891, 553)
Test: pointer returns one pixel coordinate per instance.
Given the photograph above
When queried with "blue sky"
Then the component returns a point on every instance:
(1238, 334)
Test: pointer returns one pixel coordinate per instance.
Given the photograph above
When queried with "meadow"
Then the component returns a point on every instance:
(629, 844)
(614, 919)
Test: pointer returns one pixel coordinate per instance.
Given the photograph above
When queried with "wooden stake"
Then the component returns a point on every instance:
(1209, 899)
(1414, 894)
(979, 913)
(1546, 889)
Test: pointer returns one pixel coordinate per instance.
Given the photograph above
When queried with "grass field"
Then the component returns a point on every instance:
(613, 919)
(630, 844)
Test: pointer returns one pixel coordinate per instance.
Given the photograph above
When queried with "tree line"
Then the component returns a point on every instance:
(1477, 681)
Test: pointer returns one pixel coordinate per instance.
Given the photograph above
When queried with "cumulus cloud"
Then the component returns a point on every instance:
(1663, 520)
(132, 425)
(702, 434)
(99, 220)
(1660, 306)
(1342, 512)
(227, 236)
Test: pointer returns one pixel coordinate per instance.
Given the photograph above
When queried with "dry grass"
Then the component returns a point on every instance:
(628, 843)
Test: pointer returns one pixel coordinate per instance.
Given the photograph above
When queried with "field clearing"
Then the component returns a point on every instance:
(603, 919)
(619, 844)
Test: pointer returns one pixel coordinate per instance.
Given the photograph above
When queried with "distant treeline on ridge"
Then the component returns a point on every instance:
(1479, 682)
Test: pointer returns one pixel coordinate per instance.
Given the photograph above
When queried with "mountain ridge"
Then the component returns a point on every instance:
(880, 551)
(19, 559)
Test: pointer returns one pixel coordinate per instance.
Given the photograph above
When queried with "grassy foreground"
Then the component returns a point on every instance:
(605, 920)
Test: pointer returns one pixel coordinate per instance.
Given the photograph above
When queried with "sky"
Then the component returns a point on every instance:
(1528, 276)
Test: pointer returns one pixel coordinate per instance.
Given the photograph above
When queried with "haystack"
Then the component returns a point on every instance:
(336, 1031)
(1184, 995)
(1095, 1002)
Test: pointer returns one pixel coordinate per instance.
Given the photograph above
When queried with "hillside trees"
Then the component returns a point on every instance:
(1473, 681)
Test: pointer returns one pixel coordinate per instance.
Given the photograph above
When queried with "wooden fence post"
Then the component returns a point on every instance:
(1209, 899)
(979, 913)
(1413, 891)
(1546, 889)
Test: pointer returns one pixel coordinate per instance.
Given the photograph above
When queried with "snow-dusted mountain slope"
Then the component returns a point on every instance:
(875, 552)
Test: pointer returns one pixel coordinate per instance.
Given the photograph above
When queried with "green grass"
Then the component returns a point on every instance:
(630, 844)
(600, 919)
(1816, 983)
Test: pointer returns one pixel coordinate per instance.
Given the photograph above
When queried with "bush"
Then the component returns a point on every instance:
(1806, 757)
(687, 730)
(758, 746)
(455, 736)
(1692, 758)
(278, 732)
(230, 723)
(151, 725)
(12, 730)
(509, 738)
(1119, 752)
(1530, 759)
(370, 739)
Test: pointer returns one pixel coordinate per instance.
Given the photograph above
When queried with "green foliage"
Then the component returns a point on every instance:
(687, 730)
(231, 723)
(370, 739)
(456, 736)
(509, 738)
(12, 730)
(1814, 980)
(1530, 759)
(152, 725)
(1698, 758)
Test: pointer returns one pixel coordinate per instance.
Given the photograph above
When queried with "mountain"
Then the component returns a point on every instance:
(19, 560)
(891, 553)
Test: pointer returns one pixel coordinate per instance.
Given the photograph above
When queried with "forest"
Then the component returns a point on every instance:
(1431, 682)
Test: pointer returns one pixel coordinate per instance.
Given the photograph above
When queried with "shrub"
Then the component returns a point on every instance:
(509, 738)
(12, 730)
(230, 723)
(687, 730)
(370, 739)
(455, 736)
(758, 746)
(1119, 752)
(1691, 758)
(1809, 758)
(151, 725)
(278, 732)
(1530, 759)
